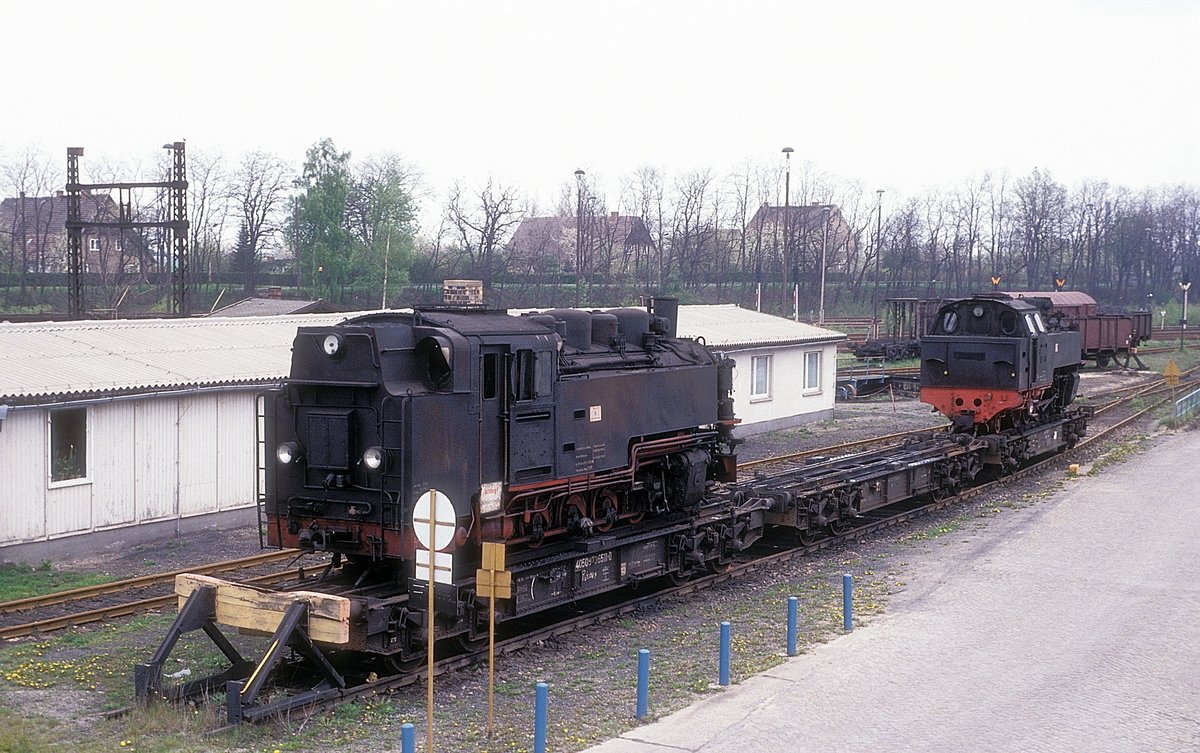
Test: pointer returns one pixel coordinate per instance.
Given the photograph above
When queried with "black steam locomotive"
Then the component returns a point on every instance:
(556, 433)
(994, 368)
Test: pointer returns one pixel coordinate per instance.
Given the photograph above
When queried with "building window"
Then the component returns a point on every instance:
(812, 371)
(93, 244)
(760, 377)
(68, 444)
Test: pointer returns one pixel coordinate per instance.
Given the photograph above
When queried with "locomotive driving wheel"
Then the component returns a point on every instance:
(605, 510)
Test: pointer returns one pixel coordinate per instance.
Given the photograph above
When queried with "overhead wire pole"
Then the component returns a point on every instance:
(787, 235)
(878, 261)
(177, 223)
(74, 226)
(177, 197)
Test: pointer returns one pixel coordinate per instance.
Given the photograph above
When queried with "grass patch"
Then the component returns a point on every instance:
(23, 581)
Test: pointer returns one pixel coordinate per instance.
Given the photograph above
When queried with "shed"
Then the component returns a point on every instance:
(131, 429)
(786, 371)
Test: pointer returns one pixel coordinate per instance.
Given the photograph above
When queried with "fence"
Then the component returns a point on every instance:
(1187, 404)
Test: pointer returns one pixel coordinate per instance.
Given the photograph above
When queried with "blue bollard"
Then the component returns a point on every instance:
(848, 602)
(793, 602)
(408, 738)
(724, 654)
(643, 684)
(539, 718)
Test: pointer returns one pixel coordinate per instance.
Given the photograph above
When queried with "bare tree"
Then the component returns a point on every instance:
(257, 193)
(482, 223)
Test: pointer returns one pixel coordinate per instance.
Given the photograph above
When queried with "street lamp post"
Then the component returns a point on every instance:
(787, 235)
(824, 251)
(1185, 285)
(878, 259)
(578, 234)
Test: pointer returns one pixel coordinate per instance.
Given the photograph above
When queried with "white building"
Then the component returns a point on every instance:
(131, 429)
(786, 371)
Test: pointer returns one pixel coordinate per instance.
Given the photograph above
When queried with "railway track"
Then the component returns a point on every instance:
(765, 556)
(81, 606)
(122, 598)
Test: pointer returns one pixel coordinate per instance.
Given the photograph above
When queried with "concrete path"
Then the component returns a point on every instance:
(1072, 625)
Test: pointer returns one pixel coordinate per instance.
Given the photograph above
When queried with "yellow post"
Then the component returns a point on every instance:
(493, 581)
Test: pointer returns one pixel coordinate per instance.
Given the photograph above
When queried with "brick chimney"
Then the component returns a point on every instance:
(275, 293)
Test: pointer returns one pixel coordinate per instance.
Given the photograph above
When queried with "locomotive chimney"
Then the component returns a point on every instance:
(667, 308)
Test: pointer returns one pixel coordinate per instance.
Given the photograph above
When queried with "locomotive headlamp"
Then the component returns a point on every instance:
(332, 344)
(373, 458)
(287, 452)
(489, 497)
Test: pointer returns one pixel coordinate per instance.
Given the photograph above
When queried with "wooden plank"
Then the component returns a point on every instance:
(255, 609)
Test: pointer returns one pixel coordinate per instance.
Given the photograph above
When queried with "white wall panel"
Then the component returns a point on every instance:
(236, 453)
(788, 396)
(156, 449)
(113, 464)
(198, 444)
(23, 476)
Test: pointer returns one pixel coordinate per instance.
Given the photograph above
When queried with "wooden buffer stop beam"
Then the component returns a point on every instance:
(293, 620)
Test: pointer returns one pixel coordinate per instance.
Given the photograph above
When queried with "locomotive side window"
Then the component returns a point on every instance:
(1029, 325)
(522, 375)
(531, 376)
(542, 375)
(950, 322)
(491, 375)
(1037, 319)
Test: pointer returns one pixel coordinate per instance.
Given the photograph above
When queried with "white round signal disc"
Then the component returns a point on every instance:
(444, 520)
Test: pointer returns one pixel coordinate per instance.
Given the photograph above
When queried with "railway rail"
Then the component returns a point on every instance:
(320, 693)
(597, 612)
(122, 598)
(50, 612)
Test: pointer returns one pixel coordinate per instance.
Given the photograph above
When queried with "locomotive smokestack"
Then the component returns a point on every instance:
(667, 308)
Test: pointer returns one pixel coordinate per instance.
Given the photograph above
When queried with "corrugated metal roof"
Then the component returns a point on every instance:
(728, 326)
(81, 358)
(64, 360)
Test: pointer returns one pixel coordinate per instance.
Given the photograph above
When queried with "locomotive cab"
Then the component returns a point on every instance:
(990, 363)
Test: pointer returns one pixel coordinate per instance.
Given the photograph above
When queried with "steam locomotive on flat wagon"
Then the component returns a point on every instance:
(994, 367)
(597, 446)
(540, 430)
(1105, 335)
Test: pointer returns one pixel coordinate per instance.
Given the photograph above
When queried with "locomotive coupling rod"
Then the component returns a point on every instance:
(198, 613)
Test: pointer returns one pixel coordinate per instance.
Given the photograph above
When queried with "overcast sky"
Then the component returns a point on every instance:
(898, 95)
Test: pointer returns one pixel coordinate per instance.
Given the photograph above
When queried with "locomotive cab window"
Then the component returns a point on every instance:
(1008, 323)
(1030, 326)
(531, 374)
(950, 322)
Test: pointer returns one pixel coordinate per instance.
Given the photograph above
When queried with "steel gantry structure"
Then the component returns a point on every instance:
(176, 222)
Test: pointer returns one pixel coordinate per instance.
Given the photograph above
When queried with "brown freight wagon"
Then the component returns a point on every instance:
(1105, 337)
